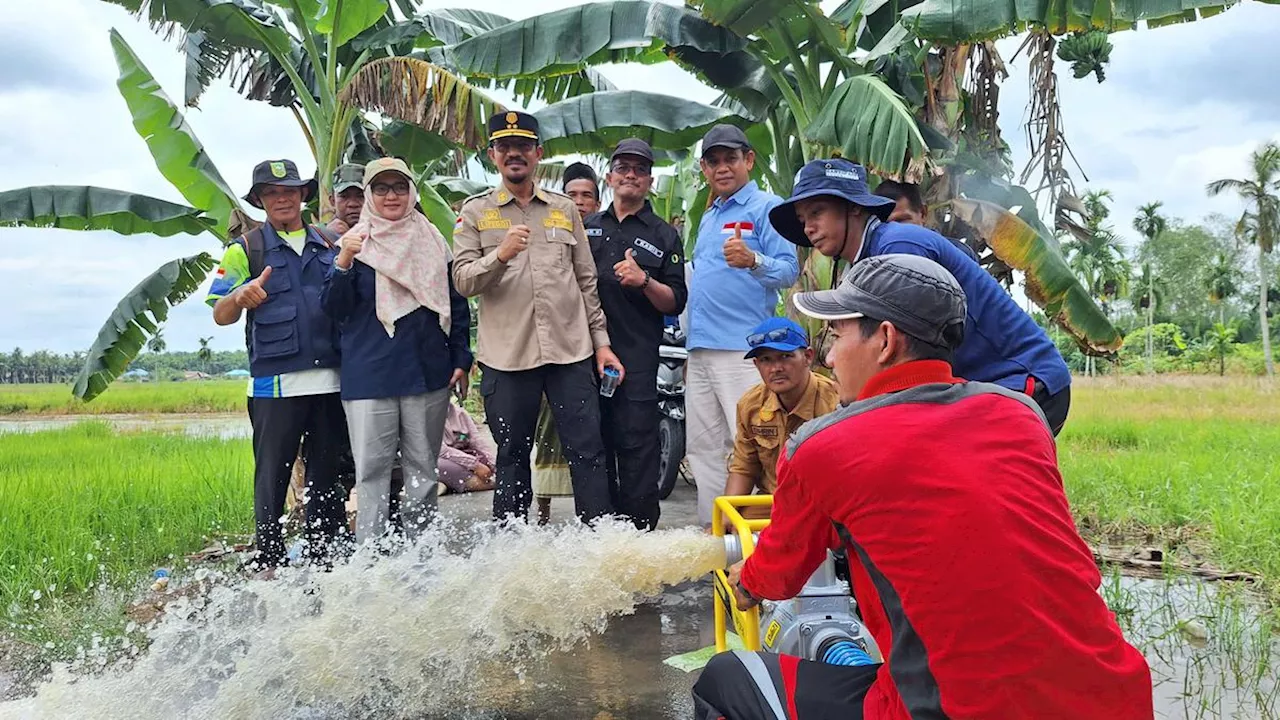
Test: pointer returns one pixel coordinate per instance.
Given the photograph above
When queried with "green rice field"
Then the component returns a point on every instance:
(204, 396)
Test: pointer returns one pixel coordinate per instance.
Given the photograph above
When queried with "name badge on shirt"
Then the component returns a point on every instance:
(646, 245)
(764, 431)
(557, 219)
(595, 232)
(493, 220)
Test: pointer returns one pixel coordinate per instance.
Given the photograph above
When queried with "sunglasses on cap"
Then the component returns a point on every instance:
(778, 335)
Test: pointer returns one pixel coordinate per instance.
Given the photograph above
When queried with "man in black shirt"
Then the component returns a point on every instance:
(640, 264)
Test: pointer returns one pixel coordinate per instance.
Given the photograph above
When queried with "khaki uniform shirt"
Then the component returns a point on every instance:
(541, 308)
(763, 427)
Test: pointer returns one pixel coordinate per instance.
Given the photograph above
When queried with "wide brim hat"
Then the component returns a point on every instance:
(835, 178)
(283, 173)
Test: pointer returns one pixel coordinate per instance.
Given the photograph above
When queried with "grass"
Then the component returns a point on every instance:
(206, 396)
(87, 506)
(1185, 460)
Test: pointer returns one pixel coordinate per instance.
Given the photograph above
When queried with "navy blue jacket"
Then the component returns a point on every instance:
(420, 358)
(1002, 344)
(289, 332)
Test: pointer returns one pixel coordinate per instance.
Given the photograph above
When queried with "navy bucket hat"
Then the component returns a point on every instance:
(835, 177)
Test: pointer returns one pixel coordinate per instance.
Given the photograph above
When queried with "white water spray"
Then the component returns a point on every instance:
(400, 636)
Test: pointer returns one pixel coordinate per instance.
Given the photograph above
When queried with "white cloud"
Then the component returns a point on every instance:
(1179, 108)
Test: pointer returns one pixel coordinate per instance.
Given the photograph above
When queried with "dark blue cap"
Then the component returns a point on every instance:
(835, 177)
(777, 333)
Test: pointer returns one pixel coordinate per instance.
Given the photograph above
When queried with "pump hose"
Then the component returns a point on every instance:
(846, 652)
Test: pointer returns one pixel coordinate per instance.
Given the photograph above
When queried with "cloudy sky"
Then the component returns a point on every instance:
(1181, 106)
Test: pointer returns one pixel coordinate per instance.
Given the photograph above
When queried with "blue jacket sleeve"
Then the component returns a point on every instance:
(459, 328)
(778, 268)
(338, 297)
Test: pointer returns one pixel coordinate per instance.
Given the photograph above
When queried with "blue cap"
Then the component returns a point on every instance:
(835, 177)
(777, 333)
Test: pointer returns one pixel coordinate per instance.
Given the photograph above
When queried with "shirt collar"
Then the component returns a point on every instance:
(908, 375)
(271, 238)
(645, 214)
(744, 193)
(804, 409)
(873, 224)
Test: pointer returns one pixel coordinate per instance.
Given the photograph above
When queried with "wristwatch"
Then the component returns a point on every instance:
(759, 259)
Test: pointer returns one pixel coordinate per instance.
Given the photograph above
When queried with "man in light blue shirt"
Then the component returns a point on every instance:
(740, 264)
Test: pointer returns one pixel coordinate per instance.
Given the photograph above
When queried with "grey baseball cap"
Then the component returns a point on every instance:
(728, 136)
(633, 146)
(348, 175)
(914, 293)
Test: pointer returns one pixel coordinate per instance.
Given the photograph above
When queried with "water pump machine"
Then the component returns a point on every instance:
(821, 623)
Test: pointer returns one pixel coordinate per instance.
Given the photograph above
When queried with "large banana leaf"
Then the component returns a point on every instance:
(456, 189)
(415, 146)
(345, 19)
(138, 315)
(432, 28)
(569, 40)
(1050, 283)
(81, 207)
(744, 16)
(178, 154)
(955, 21)
(424, 94)
(595, 123)
(438, 210)
(870, 124)
(608, 32)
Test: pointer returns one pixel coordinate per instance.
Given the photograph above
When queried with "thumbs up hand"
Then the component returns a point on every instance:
(251, 294)
(736, 252)
(628, 271)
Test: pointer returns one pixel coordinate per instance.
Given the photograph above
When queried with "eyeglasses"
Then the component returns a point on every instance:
(381, 189)
(791, 337)
(626, 169)
(524, 147)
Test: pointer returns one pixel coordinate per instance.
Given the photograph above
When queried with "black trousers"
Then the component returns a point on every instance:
(279, 425)
(1055, 406)
(742, 685)
(511, 404)
(630, 428)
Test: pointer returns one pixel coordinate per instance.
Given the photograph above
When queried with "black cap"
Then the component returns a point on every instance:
(279, 172)
(727, 136)
(914, 293)
(633, 146)
(513, 123)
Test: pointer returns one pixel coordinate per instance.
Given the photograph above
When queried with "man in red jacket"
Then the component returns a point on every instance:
(964, 560)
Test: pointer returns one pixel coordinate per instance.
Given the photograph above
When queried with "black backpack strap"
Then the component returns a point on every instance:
(254, 247)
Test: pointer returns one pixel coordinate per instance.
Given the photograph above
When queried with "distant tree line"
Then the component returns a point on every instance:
(42, 366)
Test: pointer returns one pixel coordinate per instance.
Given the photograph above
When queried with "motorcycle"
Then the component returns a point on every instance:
(672, 356)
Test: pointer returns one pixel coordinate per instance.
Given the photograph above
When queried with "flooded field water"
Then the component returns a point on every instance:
(551, 623)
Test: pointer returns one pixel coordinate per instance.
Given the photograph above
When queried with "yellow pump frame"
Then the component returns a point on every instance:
(727, 510)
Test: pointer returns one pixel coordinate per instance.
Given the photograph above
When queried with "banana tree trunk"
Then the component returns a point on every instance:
(1262, 311)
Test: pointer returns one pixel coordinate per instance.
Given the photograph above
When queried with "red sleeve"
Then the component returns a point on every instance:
(794, 544)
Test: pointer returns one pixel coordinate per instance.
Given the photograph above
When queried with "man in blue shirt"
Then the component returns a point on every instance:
(832, 210)
(739, 265)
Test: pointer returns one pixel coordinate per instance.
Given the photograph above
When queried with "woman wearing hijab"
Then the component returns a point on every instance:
(405, 333)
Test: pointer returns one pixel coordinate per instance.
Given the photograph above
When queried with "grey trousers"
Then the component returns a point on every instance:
(413, 425)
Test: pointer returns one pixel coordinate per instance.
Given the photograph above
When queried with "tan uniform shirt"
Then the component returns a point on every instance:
(763, 427)
(541, 308)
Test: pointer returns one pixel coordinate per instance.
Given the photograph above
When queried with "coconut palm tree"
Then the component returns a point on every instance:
(1260, 223)
(1150, 224)
(205, 353)
(157, 344)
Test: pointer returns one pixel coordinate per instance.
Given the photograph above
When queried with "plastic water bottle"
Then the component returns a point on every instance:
(847, 653)
(609, 382)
